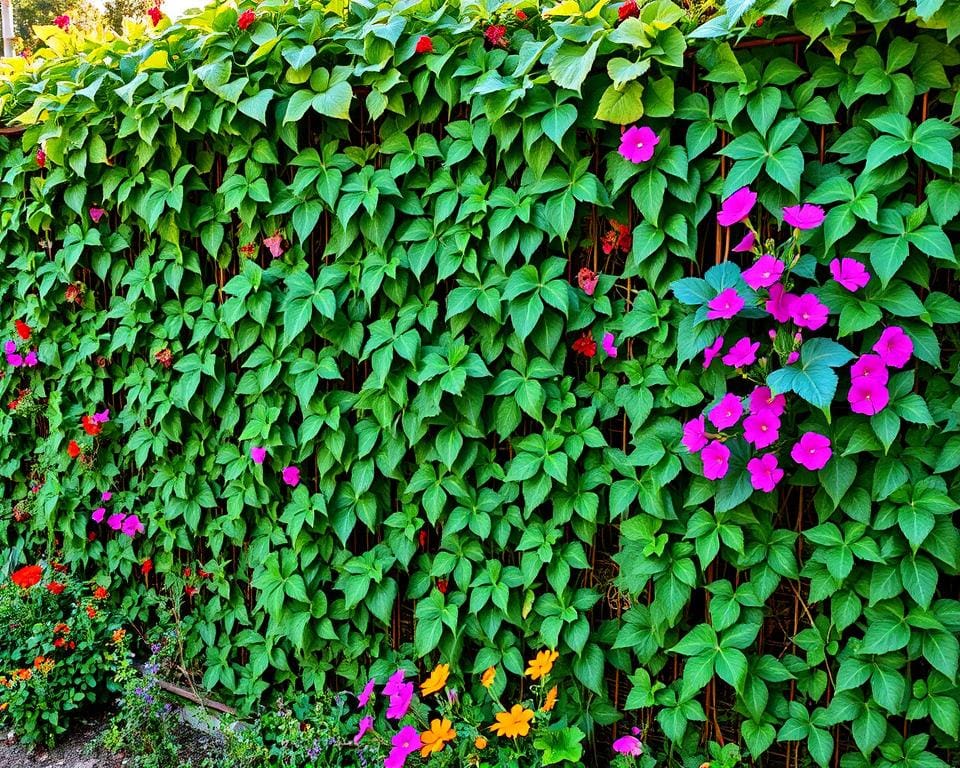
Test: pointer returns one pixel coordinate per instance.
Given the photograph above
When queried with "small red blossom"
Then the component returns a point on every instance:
(92, 536)
(55, 587)
(424, 45)
(442, 586)
(618, 238)
(72, 645)
(585, 345)
(628, 10)
(146, 566)
(100, 593)
(91, 612)
(187, 573)
(203, 574)
(90, 426)
(521, 16)
(155, 15)
(496, 35)
(61, 629)
(60, 567)
(23, 330)
(73, 450)
(62, 21)
(41, 158)
(191, 591)
(246, 19)
(74, 293)
(587, 280)
(248, 250)
(423, 538)
(760, 21)
(27, 576)
(59, 642)
(164, 357)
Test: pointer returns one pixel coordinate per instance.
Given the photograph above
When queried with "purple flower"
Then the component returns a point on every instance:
(9, 347)
(103, 417)
(764, 273)
(894, 347)
(366, 693)
(716, 460)
(115, 521)
(804, 216)
(727, 412)
(608, 346)
(850, 273)
(764, 472)
(258, 454)
(869, 367)
(96, 214)
(106, 496)
(637, 144)
(30, 359)
(793, 357)
(365, 725)
(694, 434)
(807, 312)
(780, 303)
(724, 305)
(291, 475)
(742, 354)
(628, 745)
(761, 429)
(746, 244)
(400, 701)
(712, 351)
(812, 451)
(736, 207)
(132, 526)
(394, 683)
(868, 396)
(98, 515)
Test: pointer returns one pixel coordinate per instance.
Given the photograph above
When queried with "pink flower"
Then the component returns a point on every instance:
(365, 725)
(132, 526)
(366, 693)
(14, 360)
(727, 412)
(868, 396)
(637, 144)
(694, 434)
(807, 312)
(764, 273)
(258, 454)
(736, 207)
(628, 745)
(850, 273)
(608, 346)
(869, 367)
(716, 460)
(393, 684)
(291, 475)
(780, 303)
(62, 21)
(103, 417)
(742, 354)
(96, 214)
(894, 347)
(804, 216)
(274, 245)
(812, 451)
(793, 357)
(10, 347)
(746, 244)
(764, 472)
(400, 701)
(405, 743)
(712, 351)
(98, 515)
(115, 521)
(761, 429)
(106, 496)
(30, 359)
(724, 305)
(762, 399)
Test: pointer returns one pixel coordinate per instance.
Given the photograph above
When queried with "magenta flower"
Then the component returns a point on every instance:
(106, 496)
(291, 475)
(400, 701)
(366, 693)
(780, 303)
(30, 359)
(716, 460)
(96, 214)
(258, 454)
(393, 684)
(405, 743)
(727, 412)
(850, 273)
(98, 515)
(637, 144)
(724, 305)
(628, 745)
(812, 451)
(868, 396)
(869, 367)
(694, 434)
(807, 312)
(712, 351)
(742, 354)
(736, 207)
(764, 272)
(115, 521)
(132, 526)
(793, 357)
(15, 360)
(761, 429)
(804, 216)
(9, 347)
(894, 347)
(762, 399)
(746, 244)
(608, 346)
(103, 417)
(365, 725)
(764, 472)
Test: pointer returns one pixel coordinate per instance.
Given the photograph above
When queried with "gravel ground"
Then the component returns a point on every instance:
(71, 752)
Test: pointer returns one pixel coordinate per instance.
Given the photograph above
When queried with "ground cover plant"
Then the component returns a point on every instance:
(396, 333)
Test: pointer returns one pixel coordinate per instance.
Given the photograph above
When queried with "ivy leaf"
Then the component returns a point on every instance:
(621, 106)
(571, 64)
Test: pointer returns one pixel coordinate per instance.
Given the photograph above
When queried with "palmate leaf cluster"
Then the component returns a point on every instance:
(469, 484)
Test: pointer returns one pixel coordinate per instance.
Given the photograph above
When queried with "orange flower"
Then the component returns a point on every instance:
(488, 677)
(61, 628)
(514, 723)
(550, 701)
(100, 593)
(541, 666)
(480, 742)
(119, 634)
(436, 681)
(37, 662)
(23, 674)
(439, 734)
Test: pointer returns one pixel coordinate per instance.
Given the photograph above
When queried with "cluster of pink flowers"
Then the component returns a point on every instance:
(129, 525)
(400, 693)
(290, 475)
(869, 376)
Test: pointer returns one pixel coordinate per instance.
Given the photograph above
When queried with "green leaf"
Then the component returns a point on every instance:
(571, 64)
(621, 107)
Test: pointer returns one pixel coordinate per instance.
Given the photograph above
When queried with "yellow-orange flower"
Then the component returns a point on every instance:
(551, 700)
(23, 674)
(436, 681)
(514, 723)
(480, 742)
(488, 677)
(541, 666)
(119, 634)
(441, 731)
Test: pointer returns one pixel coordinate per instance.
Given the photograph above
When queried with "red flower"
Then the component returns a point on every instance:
(23, 330)
(246, 19)
(587, 280)
(203, 574)
(617, 238)
(72, 645)
(55, 587)
(27, 576)
(191, 591)
(91, 612)
(73, 450)
(628, 9)
(61, 628)
(760, 21)
(521, 15)
(155, 15)
(496, 35)
(92, 536)
(62, 21)
(100, 593)
(585, 345)
(146, 567)
(90, 426)
(60, 567)
(59, 642)
(186, 573)
(423, 538)
(442, 586)
(424, 45)
(41, 158)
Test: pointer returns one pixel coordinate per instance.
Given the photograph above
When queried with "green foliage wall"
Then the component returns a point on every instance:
(469, 484)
